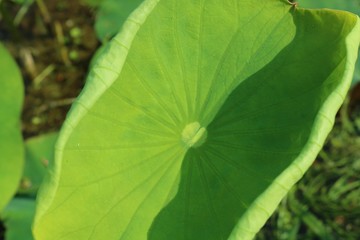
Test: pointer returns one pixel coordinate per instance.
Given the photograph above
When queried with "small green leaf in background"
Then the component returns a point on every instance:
(17, 218)
(39, 154)
(19, 213)
(347, 5)
(11, 143)
(112, 15)
(93, 3)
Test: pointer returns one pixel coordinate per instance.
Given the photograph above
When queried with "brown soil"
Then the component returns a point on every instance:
(53, 46)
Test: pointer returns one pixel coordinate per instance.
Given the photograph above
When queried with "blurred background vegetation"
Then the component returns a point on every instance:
(54, 42)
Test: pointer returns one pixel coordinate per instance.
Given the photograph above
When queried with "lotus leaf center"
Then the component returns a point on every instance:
(194, 135)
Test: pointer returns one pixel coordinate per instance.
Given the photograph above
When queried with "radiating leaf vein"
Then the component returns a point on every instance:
(219, 66)
(151, 115)
(207, 193)
(166, 172)
(218, 174)
(178, 47)
(168, 111)
(168, 78)
(135, 128)
(155, 172)
(199, 57)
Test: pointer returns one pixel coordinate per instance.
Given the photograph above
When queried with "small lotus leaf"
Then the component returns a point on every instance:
(18, 217)
(39, 152)
(11, 144)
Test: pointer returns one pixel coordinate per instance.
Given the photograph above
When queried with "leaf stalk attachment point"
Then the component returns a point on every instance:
(194, 135)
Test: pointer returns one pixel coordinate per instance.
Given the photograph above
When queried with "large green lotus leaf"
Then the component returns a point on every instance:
(39, 152)
(347, 5)
(11, 145)
(18, 217)
(112, 15)
(196, 121)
